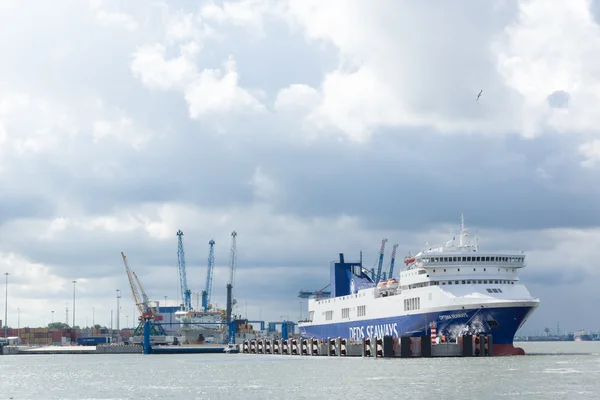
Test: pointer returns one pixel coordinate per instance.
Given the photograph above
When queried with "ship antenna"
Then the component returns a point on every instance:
(462, 229)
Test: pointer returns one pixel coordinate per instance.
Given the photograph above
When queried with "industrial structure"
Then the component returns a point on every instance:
(379, 276)
(230, 301)
(186, 294)
(143, 304)
(392, 260)
(206, 293)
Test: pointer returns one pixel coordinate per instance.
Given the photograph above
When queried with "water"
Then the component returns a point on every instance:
(552, 370)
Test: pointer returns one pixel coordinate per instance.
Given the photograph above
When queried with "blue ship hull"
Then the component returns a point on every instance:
(502, 323)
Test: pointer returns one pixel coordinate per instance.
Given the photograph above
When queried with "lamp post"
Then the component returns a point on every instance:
(127, 322)
(118, 315)
(19, 323)
(74, 282)
(118, 307)
(52, 316)
(6, 274)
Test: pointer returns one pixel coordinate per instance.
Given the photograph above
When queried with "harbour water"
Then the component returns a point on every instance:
(551, 370)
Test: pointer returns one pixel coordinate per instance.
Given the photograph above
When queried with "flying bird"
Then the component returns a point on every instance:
(479, 95)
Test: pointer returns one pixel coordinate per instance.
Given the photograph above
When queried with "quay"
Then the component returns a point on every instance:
(100, 349)
(383, 347)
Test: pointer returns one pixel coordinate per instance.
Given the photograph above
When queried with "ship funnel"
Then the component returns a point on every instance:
(341, 258)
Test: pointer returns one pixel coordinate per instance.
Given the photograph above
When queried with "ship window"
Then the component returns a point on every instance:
(361, 311)
(468, 282)
(456, 282)
(463, 282)
(474, 270)
(434, 270)
(456, 259)
(444, 269)
(484, 270)
(311, 315)
(464, 259)
(512, 283)
(489, 290)
(499, 290)
(345, 313)
(328, 315)
(449, 282)
(478, 259)
(469, 259)
(496, 282)
(459, 270)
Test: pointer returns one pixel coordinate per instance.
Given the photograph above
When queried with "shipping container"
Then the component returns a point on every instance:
(93, 340)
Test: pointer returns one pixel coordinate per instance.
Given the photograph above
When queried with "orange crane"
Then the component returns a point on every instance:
(142, 302)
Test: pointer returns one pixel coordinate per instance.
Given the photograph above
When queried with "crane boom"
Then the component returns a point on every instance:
(392, 260)
(380, 266)
(186, 294)
(206, 293)
(145, 301)
(134, 292)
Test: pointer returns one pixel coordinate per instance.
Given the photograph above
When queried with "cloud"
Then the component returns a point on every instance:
(310, 128)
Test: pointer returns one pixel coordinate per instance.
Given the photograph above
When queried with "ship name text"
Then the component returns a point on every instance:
(370, 331)
(452, 316)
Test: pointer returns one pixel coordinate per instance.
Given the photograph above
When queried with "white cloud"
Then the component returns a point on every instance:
(207, 91)
(109, 17)
(263, 186)
(389, 76)
(550, 49)
(216, 90)
(591, 152)
(243, 13)
(150, 66)
(296, 97)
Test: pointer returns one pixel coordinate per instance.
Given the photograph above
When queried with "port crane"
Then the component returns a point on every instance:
(379, 267)
(392, 260)
(186, 294)
(232, 262)
(304, 294)
(209, 276)
(142, 303)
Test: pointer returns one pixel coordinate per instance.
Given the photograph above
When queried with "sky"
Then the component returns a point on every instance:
(310, 128)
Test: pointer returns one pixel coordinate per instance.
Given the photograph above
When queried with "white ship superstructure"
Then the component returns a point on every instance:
(200, 326)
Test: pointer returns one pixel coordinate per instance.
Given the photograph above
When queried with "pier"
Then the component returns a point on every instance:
(384, 347)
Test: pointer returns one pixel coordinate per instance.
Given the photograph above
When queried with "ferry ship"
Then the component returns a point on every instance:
(201, 326)
(455, 288)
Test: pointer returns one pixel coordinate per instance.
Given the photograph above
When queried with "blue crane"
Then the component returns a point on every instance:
(209, 276)
(186, 294)
(378, 276)
(392, 260)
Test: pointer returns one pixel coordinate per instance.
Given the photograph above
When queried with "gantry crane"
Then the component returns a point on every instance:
(186, 294)
(304, 294)
(209, 276)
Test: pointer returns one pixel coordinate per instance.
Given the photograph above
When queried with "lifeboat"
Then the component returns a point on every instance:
(409, 260)
(391, 284)
(381, 285)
